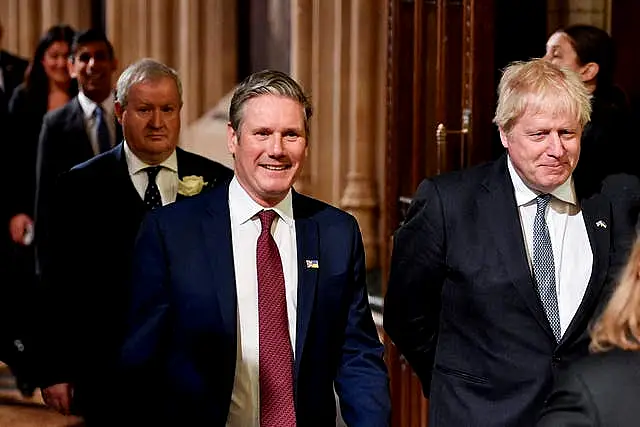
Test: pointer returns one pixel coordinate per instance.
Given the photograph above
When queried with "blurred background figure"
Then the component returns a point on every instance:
(607, 144)
(603, 388)
(12, 69)
(47, 85)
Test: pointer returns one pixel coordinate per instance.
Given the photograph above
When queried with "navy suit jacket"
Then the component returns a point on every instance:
(183, 336)
(462, 306)
(86, 258)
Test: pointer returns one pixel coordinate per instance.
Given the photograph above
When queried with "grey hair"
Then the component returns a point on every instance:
(144, 70)
(267, 82)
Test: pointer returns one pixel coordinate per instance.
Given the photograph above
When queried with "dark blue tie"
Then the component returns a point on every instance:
(102, 131)
(544, 269)
(152, 197)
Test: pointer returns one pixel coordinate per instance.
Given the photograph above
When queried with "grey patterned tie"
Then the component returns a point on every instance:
(543, 266)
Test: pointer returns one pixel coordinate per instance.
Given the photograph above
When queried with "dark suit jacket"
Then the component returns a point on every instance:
(182, 342)
(85, 268)
(602, 390)
(63, 144)
(462, 307)
(13, 70)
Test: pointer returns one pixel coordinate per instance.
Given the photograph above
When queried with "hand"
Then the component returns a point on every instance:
(18, 226)
(58, 397)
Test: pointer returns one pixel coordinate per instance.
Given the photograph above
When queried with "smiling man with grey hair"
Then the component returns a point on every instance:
(99, 207)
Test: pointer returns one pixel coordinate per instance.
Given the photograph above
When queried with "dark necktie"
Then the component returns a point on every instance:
(102, 130)
(276, 356)
(544, 269)
(152, 197)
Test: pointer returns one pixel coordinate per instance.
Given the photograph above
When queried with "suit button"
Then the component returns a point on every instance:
(556, 360)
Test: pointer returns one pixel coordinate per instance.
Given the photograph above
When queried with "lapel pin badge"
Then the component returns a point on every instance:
(601, 224)
(312, 263)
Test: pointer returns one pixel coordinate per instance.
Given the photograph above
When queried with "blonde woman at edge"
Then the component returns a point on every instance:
(603, 389)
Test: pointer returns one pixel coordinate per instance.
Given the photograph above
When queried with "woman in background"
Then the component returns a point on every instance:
(47, 86)
(608, 144)
(603, 389)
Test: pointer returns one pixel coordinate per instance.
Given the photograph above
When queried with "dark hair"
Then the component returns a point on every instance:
(91, 35)
(36, 80)
(593, 44)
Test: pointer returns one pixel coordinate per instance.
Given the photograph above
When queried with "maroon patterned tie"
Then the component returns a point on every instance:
(276, 357)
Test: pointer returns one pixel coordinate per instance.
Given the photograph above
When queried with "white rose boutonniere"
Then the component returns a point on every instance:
(190, 185)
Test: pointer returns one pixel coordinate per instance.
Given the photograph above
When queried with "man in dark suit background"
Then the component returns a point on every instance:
(498, 270)
(12, 71)
(98, 208)
(84, 127)
(249, 303)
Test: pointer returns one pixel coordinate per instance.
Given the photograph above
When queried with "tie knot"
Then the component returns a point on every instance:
(542, 201)
(266, 219)
(152, 172)
(98, 111)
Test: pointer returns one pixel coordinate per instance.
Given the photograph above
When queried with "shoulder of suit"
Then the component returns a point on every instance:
(204, 165)
(307, 207)
(15, 59)
(597, 368)
(106, 161)
(61, 115)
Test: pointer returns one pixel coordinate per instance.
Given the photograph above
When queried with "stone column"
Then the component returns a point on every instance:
(196, 37)
(360, 195)
(301, 70)
(25, 21)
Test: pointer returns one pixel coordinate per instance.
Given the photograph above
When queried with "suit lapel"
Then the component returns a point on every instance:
(216, 229)
(498, 203)
(597, 218)
(308, 248)
(124, 182)
(77, 125)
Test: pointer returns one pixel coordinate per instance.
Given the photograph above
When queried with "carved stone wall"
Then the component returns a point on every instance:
(196, 37)
(567, 12)
(25, 21)
(338, 54)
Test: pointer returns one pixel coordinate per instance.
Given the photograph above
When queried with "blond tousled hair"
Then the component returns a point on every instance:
(538, 85)
(619, 325)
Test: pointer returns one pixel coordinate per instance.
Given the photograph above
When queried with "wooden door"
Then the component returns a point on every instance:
(440, 92)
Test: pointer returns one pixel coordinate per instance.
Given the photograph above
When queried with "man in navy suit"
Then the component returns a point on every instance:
(249, 303)
(498, 270)
(99, 207)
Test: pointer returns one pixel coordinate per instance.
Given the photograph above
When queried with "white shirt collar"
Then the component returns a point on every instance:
(89, 107)
(135, 165)
(246, 208)
(525, 195)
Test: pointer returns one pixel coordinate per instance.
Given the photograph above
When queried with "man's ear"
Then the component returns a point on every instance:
(232, 139)
(503, 137)
(118, 110)
(71, 67)
(589, 71)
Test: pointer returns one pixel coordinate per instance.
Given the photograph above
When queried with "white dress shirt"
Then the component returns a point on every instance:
(167, 179)
(91, 123)
(245, 229)
(572, 255)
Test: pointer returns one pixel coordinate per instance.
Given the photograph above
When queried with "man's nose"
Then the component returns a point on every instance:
(156, 119)
(556, 147)
(276, 149)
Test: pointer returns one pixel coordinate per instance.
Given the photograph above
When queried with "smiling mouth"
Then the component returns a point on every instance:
(276, 167)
